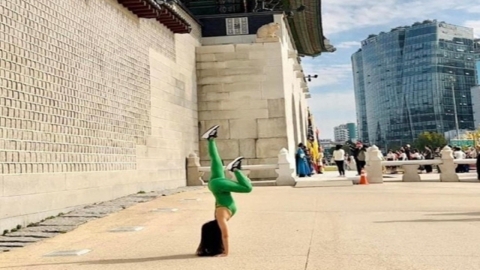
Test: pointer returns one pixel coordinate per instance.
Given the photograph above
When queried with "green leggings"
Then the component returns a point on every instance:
(221, 186)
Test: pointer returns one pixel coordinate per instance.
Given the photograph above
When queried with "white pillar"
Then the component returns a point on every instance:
(286, 169)
(194, 176)
(374, 165)
(447, 168)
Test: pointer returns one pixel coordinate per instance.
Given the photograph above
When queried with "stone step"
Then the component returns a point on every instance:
(266, 183)
(324, 183)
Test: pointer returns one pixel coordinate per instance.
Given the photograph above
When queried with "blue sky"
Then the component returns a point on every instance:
(345, 24)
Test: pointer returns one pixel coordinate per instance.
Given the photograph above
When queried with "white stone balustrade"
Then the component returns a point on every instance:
(285, 169)
(374, 165)
(447, 165)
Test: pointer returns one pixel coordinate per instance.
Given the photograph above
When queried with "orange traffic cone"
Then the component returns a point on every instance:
(363, 178)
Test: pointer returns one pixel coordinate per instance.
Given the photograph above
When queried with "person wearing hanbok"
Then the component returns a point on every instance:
(303, 166)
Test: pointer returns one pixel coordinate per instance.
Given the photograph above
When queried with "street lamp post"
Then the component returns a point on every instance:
(452, 79)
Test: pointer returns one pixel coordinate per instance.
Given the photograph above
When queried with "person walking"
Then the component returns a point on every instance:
(339, 158)
(428, 154)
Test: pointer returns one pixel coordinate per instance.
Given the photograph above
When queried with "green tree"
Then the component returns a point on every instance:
(433, 139)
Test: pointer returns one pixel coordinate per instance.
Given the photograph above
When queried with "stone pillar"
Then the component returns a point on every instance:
(286, 169)
(410, 173)
(194, 176)
(374, 165)
(447, 168)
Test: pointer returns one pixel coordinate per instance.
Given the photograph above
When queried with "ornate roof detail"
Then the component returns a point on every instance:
(161, 11)
(306, 26)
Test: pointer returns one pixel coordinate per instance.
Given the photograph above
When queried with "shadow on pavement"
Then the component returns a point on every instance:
(431, 220)
(116, 261)
(457, 214)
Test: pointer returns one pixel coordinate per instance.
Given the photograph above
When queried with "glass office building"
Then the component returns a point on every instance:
(414, 79)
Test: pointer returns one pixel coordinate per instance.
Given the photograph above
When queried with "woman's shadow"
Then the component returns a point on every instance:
(142, 260)
(118, 261)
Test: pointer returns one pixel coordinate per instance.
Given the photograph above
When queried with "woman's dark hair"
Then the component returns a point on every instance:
(211, 243)
(338, 147)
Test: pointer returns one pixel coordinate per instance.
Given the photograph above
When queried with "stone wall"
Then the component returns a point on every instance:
(252, 91)
(95, 104)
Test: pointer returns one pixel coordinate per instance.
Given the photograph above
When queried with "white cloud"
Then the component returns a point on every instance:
(348, 44)
(327, 75)
(470, 8)
(332, 109)
(341, 15)
(475, 25)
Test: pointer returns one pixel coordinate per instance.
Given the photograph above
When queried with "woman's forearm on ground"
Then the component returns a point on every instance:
(225, 244)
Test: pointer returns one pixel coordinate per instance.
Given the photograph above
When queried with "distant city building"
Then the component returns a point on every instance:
(405, 81)
(352, 131)
(345, 132)
(477, 70)
(475, 92)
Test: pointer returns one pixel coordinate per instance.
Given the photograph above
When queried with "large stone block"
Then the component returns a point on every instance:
(223, 131)
(211, 96)
(249, 78)
(243, 128)
(227, 149)
(269, 148)
(250, 94)
(208, 72)
(234, 64)
(242, 71)
(231, 56)
(215, 49)
(243, 86)
(233, 114)
(23, 184)
(211, 65)
(272, 127)
(263, 174)
(257, 47)
(215, 80)
(226, 105)
(247, 148)
(207, 57)
(211, 88)
(276, 107)
(273, 89)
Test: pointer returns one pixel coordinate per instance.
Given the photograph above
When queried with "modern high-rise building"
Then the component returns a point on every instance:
(352, 131)
(340, 133)
(345, 132)
(475, 92)
(413, 79)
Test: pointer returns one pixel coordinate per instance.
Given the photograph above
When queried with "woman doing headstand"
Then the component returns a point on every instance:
(214, 238)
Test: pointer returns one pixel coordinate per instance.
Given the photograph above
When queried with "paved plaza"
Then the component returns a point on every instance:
(393, 225)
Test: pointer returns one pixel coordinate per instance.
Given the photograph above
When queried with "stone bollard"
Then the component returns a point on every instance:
(410, 173)
(447, 168)
(194, 176)
(374, 165)
(286, 169)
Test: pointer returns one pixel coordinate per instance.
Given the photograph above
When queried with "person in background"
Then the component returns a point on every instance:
(428, 155)
(459, 154)
(359, 154)
(478, 161)
(408, 151)
(303, 166)
(339, 158)
(320, 160)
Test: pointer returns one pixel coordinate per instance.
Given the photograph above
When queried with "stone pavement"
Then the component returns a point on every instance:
(394, 225)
